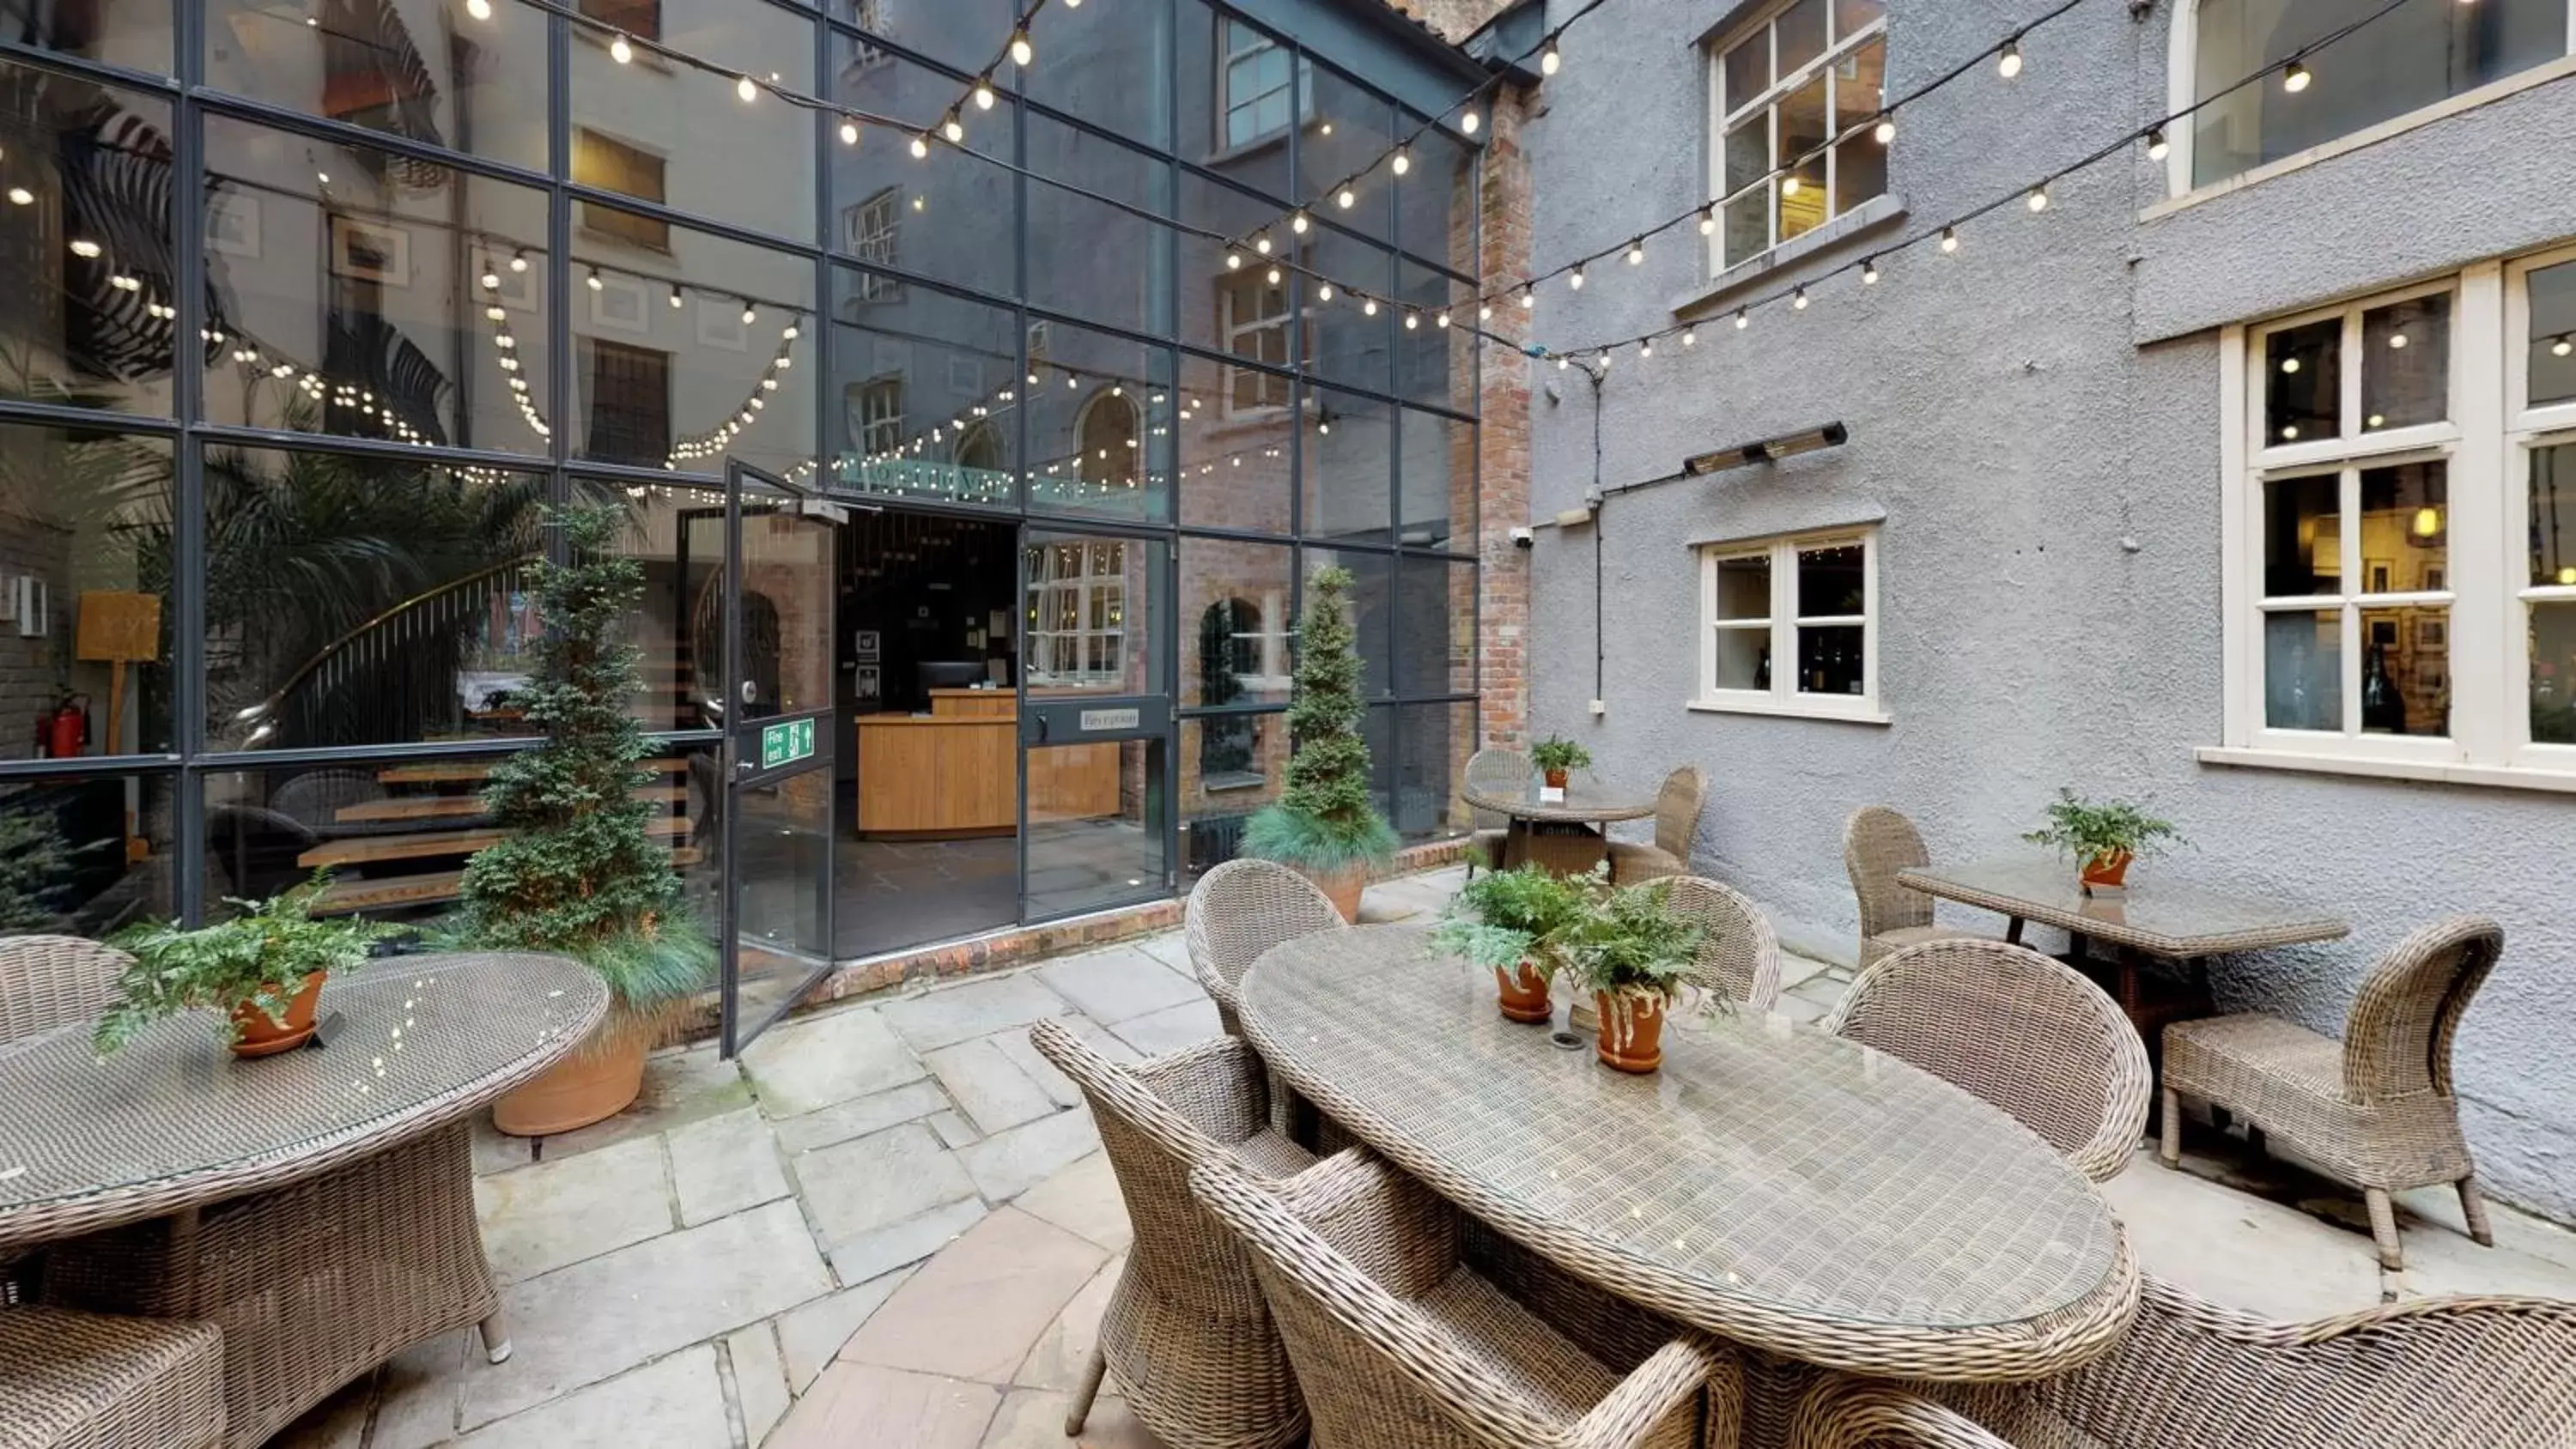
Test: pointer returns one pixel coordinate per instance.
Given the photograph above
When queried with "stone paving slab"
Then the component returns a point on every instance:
(1010, 1163)
(859, 1186)
(860, 1116)
(863, 1406)
(544, 1217)
(759, 1379)
(1118, 983)
(721, 1165)
(975, 1310)
(1171, 1029)
(952, 1014)
(1084, 1200)
(672, 1403)
(991, 1088)
(896, 1245)
(679, 1087)
(805, 1065)
(811, 1336)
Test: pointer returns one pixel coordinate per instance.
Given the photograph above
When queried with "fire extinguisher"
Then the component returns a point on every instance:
(63, 730)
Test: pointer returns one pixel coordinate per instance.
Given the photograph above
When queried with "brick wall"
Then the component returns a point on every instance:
(1503, 442)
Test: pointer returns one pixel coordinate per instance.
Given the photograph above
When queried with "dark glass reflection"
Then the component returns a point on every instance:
(87, 855)
(2303, 383)
(85, 578)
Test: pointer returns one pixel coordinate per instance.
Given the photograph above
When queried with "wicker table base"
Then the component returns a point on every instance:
(1558, 849)
(313, 1284)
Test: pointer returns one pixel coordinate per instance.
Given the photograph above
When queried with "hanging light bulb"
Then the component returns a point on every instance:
(1800, 301)
(595, 283)
(1869, 271)
(677, 301)
(849, 131)
(1233, 260)
(21, 196)
(1789, 185)
(2157, 146)
(1412, 320)
(494, 312)
(1885, 130)
(2565, 346)
(1261, 244)
(1468, 123)
(1368, 307)
(1485, 312)
(750, 314)
(1529, 297)
(1298, 223)
(620, 51)
(491, 279)
(1708, 220)
(983, 95)
(2039, 197)
(1637, 251)
(746, 89)
(1575, 278)
(1346, 198)
(920, 147)
(953, 128)
(1645, 348)
(1022, 53)
(1690, 337)
(1743, 318)
(519, 262)
(2008, 59)
(2428, 522)
(1949, 238)
(2295, 77)
(1273, 277)
(1550, 62)
(1403, 161)
(479, 9)
(1324, 292)
(90, 249)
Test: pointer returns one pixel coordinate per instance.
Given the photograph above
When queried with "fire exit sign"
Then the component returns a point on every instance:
(785, 744)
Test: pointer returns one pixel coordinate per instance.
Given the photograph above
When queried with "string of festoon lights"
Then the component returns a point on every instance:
(2295, 72)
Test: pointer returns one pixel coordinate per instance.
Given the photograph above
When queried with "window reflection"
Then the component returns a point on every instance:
(1234, 468)
(88, 855)
(949, 215)
(431, 73)
(925, 391)
(681, 135)
(85, 580)
(1348, 460)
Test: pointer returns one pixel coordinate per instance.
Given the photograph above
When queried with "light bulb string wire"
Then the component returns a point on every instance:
(1886, 110)
(1934, 233)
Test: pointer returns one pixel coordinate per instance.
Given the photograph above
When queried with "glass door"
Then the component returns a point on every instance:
(776, 709)
(1095, 722)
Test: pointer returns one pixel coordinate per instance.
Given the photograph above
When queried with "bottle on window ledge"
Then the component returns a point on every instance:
(1762, 669)
(2383, 708)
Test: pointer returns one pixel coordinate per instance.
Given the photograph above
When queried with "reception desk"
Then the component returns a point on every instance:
(953, 772)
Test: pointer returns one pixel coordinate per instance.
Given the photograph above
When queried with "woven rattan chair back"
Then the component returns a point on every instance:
(51, 981)
(1241, 909)
(2020, 1030)
(1677, 810)
(1497, 772)
(1739, 954)
(1877, 843)
(2397, 1041)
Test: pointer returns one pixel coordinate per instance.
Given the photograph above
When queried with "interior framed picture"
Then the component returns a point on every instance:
(2437, 579)
(232, 222)
(2379, 575)
(2432, 634)
(720, 324)
(863, 644)
(370, 251)
(622, 304)
(519, 290)
(866, 683)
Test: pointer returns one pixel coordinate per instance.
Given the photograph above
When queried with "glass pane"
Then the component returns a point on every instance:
(1744, 587)
(1347, 342)
(2553, 674)
(1215, 110)
(1801, 29)
(1372, 613)
(131, 33)
(1090, 615)
(1832, 582)
(1748, 225)
(360, 601)
(951, 215)
(1348, 126)
(2553, 334)
(687, 133)
(2303, 383)
(1089, 258)
(954, 32)
(1748, 151)
(1099, 824)
(2406, 363)
(677, 534)
(1348, 460)
(2553, 515)
(1231, 766)
(2405, 671)
(1744, 658)
(1832, 659)
(1432, 744)
(349, 286)
(2302, 537)
(782, 878)
(1234, 468)
(1860, 164)
(1436, 200)
(917, 417)
(86, 558)
(685, 357)
(1851, 15)
(1748, 69)
(1099, 441)
(1433, 364)
(1802, 130)
(87, 245)
(1218, 303)
(88, 855)
(2303, 670)
(1438, 476)
(2405, 526)
(1435, 644)
(441, 79)
(1238, 621)
(1114, 76)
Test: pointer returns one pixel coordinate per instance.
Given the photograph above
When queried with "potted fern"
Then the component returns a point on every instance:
(1324, 826)
(1515, 923)
(577, 873)
(1557, 758)
(263, 969)
(2103, 837)
(1633, 953)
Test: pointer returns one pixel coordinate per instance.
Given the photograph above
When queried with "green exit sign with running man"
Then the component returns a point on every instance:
(785, 744)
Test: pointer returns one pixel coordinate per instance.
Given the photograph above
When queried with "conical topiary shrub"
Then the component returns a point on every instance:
(1324, 824)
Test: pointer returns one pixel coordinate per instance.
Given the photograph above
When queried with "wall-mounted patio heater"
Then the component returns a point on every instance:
(1769, 450)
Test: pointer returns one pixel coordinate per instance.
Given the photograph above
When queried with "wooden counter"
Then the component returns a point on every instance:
(955, 771)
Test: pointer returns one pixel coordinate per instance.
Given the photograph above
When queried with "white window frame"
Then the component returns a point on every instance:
(881, 426)
(2182, 92)
(1301, 84)
(1724, 110)
(2486, 443)
(1096, 593)
(871, 232)
(1231, 289)
(1784, 697)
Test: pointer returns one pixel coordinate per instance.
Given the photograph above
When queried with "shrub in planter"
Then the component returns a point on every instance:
(1515, 922)
(263, 969)
(2102, 837)
(1633, 952)
(1324, 826)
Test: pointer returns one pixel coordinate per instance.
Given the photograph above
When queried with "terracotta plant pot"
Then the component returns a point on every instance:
(1632, 1031)
(1556, 779)
(261, 1035)
(1342, 888)
(2107, 872)
(595, 1083)
(1524, 994)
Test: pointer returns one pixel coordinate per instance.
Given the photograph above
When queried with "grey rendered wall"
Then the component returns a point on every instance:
(2050, 481)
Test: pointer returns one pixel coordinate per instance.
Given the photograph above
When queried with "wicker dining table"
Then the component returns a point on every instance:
(1798, 1193)
(318, 1205)
(1563, 835)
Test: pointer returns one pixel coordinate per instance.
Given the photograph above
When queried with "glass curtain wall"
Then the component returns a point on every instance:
(324, 300)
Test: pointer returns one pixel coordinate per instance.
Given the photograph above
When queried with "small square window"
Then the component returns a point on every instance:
(1811, 601)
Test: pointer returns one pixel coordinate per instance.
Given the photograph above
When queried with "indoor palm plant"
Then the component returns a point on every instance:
(263, 969)
(2103, 837)
(1557, 757)
(1516, 923)
(577, 872)
(1324, 825)
(1633, 952)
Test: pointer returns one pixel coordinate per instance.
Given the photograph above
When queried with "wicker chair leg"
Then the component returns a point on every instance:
(2169, 1142)
(2383, 1227)
(496, 1338)
(2474, 1208)
(1089, 1391)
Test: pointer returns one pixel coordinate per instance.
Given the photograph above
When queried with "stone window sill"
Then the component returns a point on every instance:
(2434, 772)
(1833, 713)
(1869, 216)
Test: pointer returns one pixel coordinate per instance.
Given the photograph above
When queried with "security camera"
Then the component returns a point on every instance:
(1524, 538)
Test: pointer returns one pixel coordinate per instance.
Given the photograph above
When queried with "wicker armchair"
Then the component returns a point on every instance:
(1241, 909)
(1187, 1330)
(1677, 811)
(2023, 1031)
(1877, 843)
(51, 981)
(2459, 1373)
(1498, 771)
(1739, 957)
(89, 1381)
(2375, 1109)
(1402, 1345)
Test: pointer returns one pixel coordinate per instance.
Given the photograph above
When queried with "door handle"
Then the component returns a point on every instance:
(1042, 729)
